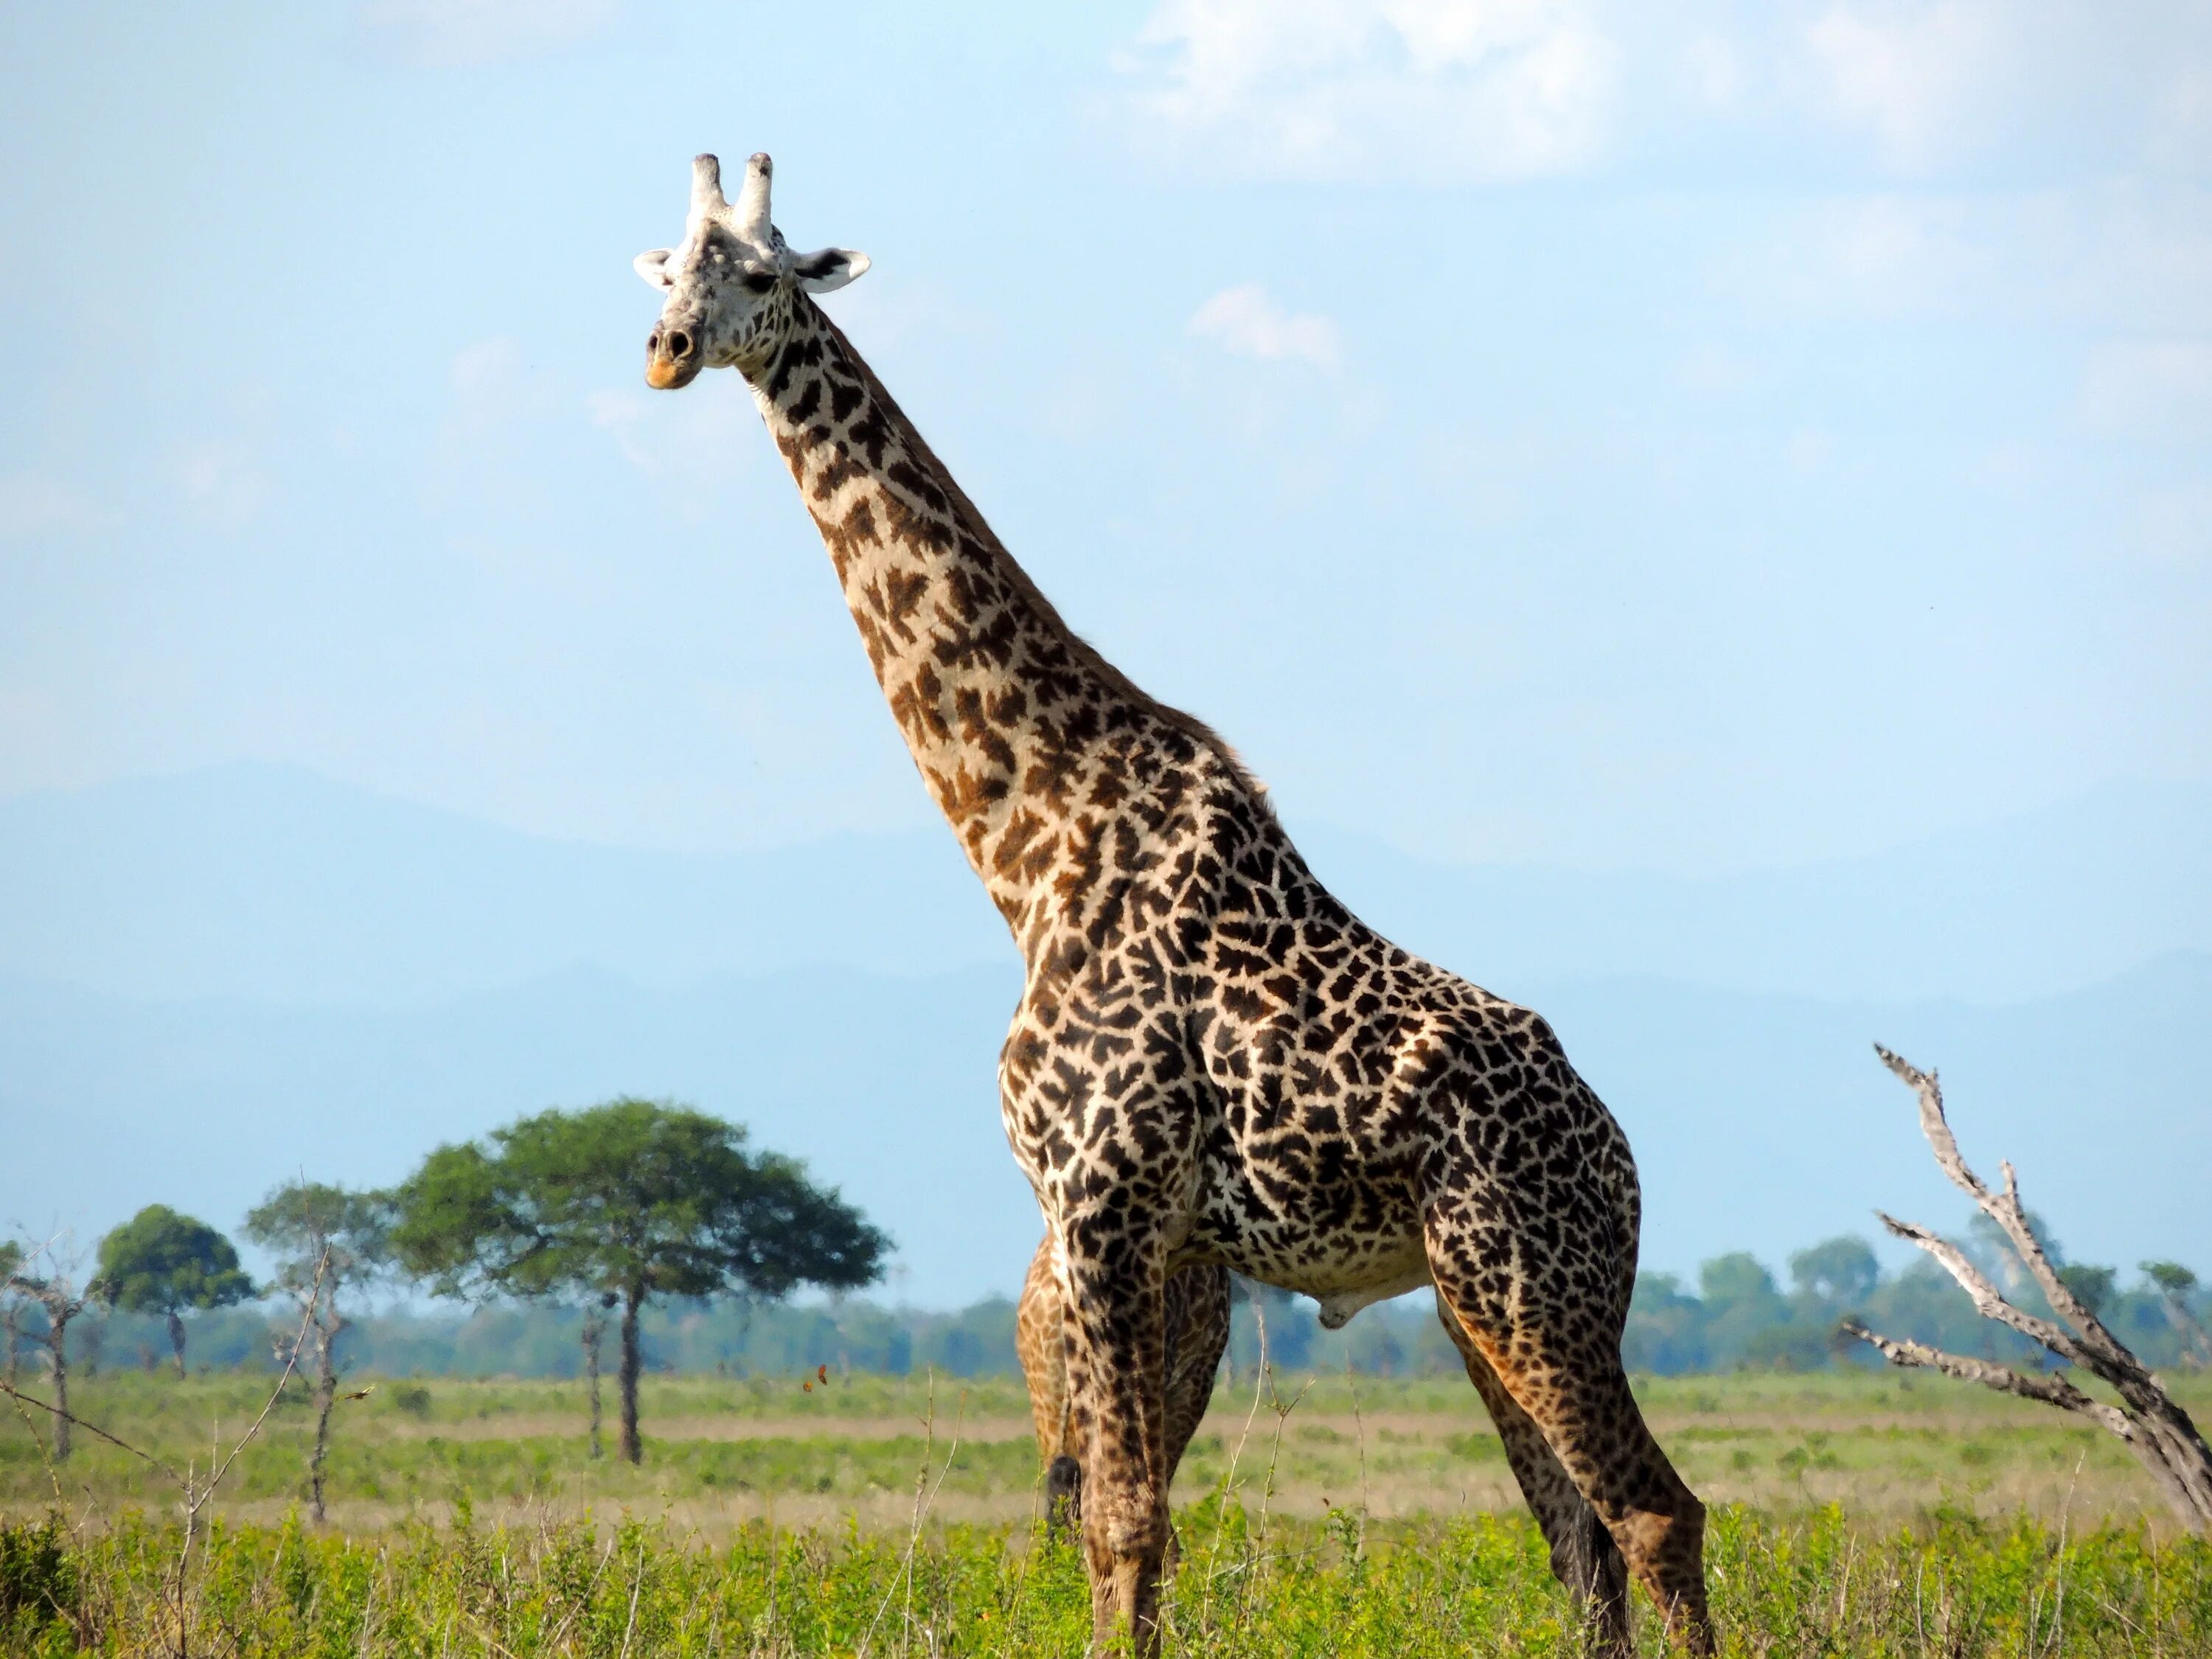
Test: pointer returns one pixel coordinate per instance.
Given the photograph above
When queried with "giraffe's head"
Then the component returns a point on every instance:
(731, 284)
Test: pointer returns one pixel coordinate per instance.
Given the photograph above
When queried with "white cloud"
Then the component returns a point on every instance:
(33, 505)
(1920, 77)
(2150, 385)
(457, 33)
(1454, 91)
(1430, 90)
(2067, 87)
(1247, 321)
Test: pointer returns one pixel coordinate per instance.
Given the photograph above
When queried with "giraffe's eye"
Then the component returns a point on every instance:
(759, 281)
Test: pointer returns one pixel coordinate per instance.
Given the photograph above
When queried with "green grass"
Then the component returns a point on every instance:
(1884, 1445)
(1855, 1513)
(1814, 1584)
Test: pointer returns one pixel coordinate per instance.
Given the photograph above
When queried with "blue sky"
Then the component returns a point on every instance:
(1533, 430)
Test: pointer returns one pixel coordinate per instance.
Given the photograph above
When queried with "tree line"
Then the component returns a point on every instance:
(606, 1210)
(1734, 1313)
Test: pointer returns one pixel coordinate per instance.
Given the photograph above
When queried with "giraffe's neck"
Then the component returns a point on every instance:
(1007, 712)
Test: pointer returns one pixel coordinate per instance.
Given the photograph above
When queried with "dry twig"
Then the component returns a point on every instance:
(2157, 1430)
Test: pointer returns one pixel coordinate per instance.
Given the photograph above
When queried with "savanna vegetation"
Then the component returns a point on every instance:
(1855, 1514)
(341, 1467)
(1812, 1583)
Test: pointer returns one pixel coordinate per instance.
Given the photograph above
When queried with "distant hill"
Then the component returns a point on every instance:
(1759, 1122)
(270, 882)
(211, 980)
(2029, 906)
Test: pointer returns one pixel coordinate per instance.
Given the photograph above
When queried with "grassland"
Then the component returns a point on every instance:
(1856, 1513)
(1883, 1445)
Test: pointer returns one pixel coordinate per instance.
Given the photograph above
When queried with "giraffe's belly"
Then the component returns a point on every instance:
(1346, 1244)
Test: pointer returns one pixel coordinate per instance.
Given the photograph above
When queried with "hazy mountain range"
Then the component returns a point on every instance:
(210, 982)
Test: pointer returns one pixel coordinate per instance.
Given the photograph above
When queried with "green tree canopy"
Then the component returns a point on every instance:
(2171, 1278)
(1736, 1280)
(2092, 1286)
(1838, 1272)
(633, 1199)
(161, 1262)
(313, 1225)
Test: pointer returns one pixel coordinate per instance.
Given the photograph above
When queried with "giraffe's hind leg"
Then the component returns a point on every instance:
(1116, 1346)
(1197, 1312)
(1197, 1309)
(1557, 1356)
(1584, 1557)
(1039, 1343)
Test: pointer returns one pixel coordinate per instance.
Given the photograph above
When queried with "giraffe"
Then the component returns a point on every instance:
(1212, 1063)
(1194, 1320)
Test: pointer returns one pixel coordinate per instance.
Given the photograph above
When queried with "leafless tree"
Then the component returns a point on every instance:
(43, 1277)
(2157, 1430)
(327, 1239)
(12, 1303)
(196, 1490)
(312, 1349)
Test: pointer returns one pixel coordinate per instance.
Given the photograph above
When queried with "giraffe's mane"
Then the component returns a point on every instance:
(1046, 613)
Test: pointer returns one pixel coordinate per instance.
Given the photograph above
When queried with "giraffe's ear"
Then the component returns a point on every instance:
(832, 268)
(654, 267)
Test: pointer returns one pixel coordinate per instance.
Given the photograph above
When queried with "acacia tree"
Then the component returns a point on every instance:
(160, 1262)
(327, 1239)
(627, 1200)
(42, 1278)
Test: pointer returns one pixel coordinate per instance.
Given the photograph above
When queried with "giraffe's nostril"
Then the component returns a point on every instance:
(653, 341)
(679, 344)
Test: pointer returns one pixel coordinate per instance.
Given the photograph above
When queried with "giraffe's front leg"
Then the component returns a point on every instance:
(1116, 1380)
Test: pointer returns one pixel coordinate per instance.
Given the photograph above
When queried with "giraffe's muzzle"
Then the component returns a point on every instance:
(672, 358)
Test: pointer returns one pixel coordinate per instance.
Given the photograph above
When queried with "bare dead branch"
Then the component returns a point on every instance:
(18, 1395)
(53, 1477)
(269, 1405)
(1934, 1124)
(2147, 1419)
(2004, 1208)
(62, 1299)
(2012, 1215)
(2050, 1387)
(1988, 1301)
